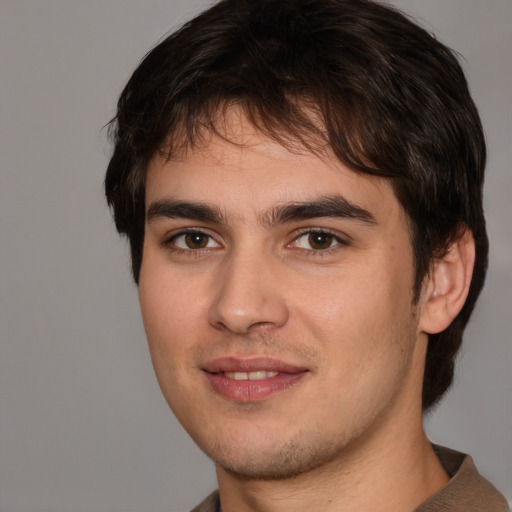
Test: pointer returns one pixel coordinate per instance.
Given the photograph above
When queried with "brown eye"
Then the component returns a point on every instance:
(196, 240)
(317, 240)
(193, 241)
(320, 241)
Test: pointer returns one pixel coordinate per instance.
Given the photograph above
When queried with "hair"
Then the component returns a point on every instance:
(355, 76)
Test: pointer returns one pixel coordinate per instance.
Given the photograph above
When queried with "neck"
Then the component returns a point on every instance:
(388, 477)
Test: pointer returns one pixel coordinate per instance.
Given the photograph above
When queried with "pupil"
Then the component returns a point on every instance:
(196, 240)
(320, 240)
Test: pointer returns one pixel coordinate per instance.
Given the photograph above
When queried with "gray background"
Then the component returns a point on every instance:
(82, 424)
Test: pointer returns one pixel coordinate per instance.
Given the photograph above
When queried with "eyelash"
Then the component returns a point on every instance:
(170, 242)
(336, 239)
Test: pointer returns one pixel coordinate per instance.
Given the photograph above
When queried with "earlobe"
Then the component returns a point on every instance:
(448, 284)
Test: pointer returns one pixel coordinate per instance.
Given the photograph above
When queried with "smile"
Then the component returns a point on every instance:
(251, 380)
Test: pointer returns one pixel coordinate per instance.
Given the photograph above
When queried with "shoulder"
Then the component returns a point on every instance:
(210, 504)
(466, 491)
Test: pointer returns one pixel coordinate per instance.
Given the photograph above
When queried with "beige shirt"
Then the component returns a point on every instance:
(466, 490)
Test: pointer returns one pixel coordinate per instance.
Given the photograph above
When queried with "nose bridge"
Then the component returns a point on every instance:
(248, 292)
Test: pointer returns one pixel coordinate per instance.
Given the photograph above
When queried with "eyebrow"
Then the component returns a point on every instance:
(170, 209)
(326, 206)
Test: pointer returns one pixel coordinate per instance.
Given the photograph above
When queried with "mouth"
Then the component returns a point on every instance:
(251, 380)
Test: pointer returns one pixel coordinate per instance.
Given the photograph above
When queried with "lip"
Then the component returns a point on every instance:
(288, 375)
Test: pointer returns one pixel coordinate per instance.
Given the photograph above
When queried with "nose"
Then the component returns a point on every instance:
(248, 295)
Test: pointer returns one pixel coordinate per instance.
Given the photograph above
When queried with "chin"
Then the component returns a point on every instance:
(289, 460)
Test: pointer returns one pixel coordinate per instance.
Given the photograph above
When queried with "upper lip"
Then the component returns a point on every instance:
(253, 364)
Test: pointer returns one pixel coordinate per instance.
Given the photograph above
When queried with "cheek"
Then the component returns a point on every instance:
(363, 317)
(170, 321)
(170, 302)
(170, 317)
(344, 302)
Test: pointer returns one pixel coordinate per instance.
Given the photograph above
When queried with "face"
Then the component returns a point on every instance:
(276, 294)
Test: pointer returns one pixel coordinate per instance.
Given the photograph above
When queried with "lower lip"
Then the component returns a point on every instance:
(252, 390)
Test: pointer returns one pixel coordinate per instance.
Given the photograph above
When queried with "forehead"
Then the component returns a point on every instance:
(241, 170)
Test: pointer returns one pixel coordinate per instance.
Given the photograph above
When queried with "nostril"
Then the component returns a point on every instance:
(254, 316)
(261, 326)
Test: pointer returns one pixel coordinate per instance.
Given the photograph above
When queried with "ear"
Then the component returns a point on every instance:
(447, 287)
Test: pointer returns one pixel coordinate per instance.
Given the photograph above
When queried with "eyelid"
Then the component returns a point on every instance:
(173, 235)
(340, 238)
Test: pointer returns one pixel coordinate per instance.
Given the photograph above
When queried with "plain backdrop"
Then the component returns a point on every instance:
(83, 427)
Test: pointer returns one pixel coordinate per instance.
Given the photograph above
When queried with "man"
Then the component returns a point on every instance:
(301, 185)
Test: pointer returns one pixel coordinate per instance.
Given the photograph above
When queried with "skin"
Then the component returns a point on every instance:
(348, 434)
